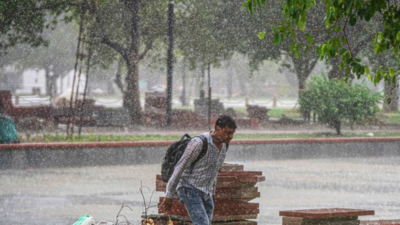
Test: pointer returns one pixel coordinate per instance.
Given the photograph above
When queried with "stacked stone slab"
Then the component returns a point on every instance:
(232, 206)
(329, 216)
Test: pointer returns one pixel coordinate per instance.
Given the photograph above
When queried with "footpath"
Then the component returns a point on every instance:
(269, 129)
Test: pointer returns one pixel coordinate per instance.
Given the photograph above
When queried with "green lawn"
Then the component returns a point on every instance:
(106, 138)
(272, 113)
(290, 112)
(392, 117)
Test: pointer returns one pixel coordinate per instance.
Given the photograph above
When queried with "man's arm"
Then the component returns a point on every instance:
(192, 151)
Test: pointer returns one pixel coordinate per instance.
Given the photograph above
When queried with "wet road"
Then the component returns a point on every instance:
(61, 196)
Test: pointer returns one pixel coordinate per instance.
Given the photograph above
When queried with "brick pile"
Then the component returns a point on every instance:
(328, 216)
(232, 206)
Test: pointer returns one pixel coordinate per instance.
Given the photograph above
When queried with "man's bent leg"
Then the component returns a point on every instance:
(209, 206)
(193, 201)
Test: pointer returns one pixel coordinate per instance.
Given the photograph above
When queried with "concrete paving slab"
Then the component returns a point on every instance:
(62, 195)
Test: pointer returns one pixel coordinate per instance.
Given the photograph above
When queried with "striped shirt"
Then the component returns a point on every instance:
(205, 171)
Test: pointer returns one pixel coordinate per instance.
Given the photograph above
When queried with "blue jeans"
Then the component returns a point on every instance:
(200, 206)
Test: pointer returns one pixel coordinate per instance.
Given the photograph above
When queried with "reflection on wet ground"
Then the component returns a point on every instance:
(62, 195)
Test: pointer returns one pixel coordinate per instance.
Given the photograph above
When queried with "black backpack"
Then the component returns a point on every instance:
(175, 152)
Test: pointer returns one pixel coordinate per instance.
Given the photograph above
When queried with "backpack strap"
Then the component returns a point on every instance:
(202, 153)
(185, 135)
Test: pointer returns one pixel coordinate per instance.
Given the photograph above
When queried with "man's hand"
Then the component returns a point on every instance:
(166, 204)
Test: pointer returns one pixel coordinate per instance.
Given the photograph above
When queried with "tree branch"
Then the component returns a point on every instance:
(149, 45)
(129, 5)
(106, 40)
(361, 44)
(53, 6)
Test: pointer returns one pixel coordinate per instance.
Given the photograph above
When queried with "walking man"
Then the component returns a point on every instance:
(197, 184)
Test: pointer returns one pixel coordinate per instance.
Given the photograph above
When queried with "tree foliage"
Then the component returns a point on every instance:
(335, 102)
(24, 21)
(339, 15)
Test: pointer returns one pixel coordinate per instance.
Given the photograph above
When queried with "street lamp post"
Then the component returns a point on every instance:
(169, 61)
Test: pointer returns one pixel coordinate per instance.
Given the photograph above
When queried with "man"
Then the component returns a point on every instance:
(196, 184)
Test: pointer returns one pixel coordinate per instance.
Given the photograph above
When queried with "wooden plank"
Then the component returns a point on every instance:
(243, 222)
(249, 195)
(233, 203)
(228, 218)
(380, 222)
(248, 184)
(251, 179)
(181, 211)
(226, 179)
(223, 190)
(223, 179)
(236, 190)
(160, 183)
(231, 184)
(232, 167)
(327, 213)
(240, 173)
(223, 203)
(234, 184)
(245, 197)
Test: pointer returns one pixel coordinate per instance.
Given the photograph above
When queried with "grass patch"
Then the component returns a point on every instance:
(47, 138)
(95, 138)
(273, 113)
(392, 117)
(290, 112)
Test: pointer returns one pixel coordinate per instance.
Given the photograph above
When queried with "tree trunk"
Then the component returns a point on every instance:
(392, 93)
(303, 67)
(183, 95)
(336, 125)
(132, 94)
(203, 75)
(48, 82)
(243, 91)
(335, 72)
(117, 79)
(229, 83)
(302, 83)
(61, 84)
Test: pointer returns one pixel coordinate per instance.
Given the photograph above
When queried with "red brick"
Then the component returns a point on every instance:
(326, 213)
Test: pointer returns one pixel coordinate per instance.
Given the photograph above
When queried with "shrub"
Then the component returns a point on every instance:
(334, 102)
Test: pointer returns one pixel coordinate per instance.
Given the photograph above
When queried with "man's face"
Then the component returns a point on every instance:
(226, 133)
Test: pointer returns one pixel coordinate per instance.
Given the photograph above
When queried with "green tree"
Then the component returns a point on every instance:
(339, 15)
(125, 29)
(335, 102)
(56, 59)
(128, 29)
(24, 21)
(198, 37)
(391, 89)
(253, 38)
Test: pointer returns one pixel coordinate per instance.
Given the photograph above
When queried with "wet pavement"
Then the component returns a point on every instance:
(62, 195)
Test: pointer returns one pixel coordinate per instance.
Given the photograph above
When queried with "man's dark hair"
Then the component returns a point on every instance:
(225, 121)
